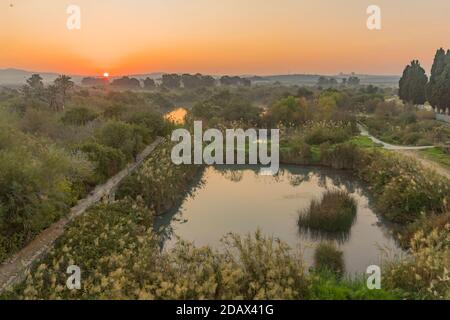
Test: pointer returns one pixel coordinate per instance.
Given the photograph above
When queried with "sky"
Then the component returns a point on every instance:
(221, 36)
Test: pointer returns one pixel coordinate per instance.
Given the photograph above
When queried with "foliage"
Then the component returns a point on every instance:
(335, 212)
(437, 155)
(329, 259)
(127, 138)
(326, 286)
(223, 106)
(412, 84)
(159, 182)
(297, 151)
(108, 161)
(38, 185)
(405, 191)
(78, 116)
(438, 89)
(126, 83)
(425, 274)
(289, 111)
(341, 156)
(403, 129)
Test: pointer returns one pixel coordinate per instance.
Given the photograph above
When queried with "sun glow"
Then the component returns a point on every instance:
(106, 75)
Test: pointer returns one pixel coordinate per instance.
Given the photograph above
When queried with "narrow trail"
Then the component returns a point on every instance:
(14, 269)
(426, 163)
(410, 152)
(388, 146)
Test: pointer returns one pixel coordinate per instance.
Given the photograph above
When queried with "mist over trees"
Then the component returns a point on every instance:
(149, 84)
(126, 83)
(54, 95)
(92, 82)
(171, 81)
(327, 82)
(234, 81)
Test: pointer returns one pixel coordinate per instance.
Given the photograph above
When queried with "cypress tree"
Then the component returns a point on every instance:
(413, 83)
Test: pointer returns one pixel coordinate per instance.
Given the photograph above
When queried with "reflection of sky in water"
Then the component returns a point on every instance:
(177, 116)
(241, 201)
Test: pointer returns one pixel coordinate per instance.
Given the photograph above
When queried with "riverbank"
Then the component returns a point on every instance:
(13, 270)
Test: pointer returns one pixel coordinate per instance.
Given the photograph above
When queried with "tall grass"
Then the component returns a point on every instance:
(328, 258)
(331, 216)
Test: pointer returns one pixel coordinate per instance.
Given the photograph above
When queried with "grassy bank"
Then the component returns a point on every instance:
(437, 155)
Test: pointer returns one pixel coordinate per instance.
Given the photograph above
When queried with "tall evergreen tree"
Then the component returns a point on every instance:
(442, 87)
(436, 71)
(413, 83)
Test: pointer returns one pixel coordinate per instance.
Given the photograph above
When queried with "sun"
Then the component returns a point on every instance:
(106, 75)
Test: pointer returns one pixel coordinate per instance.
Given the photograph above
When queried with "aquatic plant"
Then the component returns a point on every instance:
(328, 258)
(334, 213)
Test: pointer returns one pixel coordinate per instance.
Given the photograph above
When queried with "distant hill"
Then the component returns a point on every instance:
(311, 79)
(153, 75)
(17, 77)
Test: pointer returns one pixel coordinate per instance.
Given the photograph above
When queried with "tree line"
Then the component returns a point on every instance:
(416, 88)
(169, 81)
(55, 95)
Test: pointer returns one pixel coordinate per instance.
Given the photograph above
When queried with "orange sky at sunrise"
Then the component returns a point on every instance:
(221, 36)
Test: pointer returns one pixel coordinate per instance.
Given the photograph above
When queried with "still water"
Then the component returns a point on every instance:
(236, 199)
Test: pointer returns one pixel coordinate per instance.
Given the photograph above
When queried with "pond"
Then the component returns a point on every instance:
(237, 199)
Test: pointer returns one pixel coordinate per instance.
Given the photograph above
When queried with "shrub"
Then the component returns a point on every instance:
(122, 136)
(341, 156)
(36, 192)
(326, 286)
(404, 190)
(159, 182)
(425, 273)
(319, 135)
(152, 121)
(109, 161)
(334, 214)
(328, 258)
(78, 116)
(298, 152)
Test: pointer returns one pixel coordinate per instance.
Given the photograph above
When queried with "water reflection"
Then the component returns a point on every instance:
(237, 199)
(177, 116)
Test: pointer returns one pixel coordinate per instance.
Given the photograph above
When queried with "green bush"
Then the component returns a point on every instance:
(328, 258)
(152, 121)
(128, 138)
(298, 152)
(319, 135)
(159, 182)
(36, 192)
(424, 274)
(78, 116)
(404, 190)
(109, 161)
(342, 156)
(335, 212)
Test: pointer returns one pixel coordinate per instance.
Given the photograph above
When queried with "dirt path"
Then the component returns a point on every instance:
(14, 269)
(425, 162)
(388, 146)
(409, 152)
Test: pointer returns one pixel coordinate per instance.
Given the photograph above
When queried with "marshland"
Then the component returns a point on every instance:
(339, 204)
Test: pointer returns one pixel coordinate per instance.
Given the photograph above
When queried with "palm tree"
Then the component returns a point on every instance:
(52, 92)
(63, 84)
